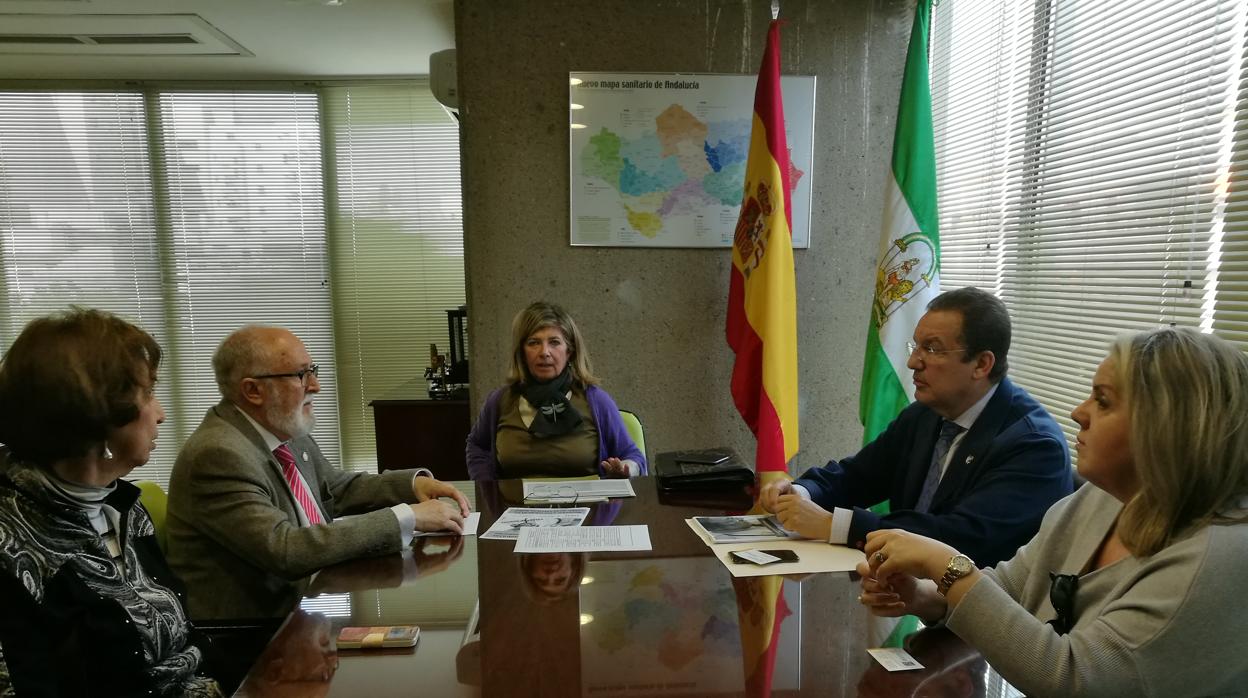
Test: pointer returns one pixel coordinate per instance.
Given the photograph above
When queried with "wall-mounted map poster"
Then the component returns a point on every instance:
(658, 160)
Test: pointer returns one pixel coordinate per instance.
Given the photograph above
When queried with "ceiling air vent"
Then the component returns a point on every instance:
(114, 35)
(36, 39)
(99, 39)
(132, 39)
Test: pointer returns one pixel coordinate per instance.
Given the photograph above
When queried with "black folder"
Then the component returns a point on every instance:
(706, 469)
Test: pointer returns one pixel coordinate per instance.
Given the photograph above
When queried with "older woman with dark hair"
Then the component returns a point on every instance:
(1129, 574)
(551, 419)
(88, 604)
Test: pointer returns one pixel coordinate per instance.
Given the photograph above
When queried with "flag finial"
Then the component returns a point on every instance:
(775, 9)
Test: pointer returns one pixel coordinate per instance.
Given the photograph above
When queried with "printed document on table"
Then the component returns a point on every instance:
(516, 519)
(470, 528)
(583, 539)
(573, 491)
(740, 529)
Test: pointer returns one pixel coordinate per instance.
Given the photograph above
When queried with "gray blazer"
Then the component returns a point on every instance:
(233, 532)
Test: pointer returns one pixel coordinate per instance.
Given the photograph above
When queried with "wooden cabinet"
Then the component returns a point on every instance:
(414, 431)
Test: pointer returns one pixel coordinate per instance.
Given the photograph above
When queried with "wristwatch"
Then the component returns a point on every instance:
(959, 566)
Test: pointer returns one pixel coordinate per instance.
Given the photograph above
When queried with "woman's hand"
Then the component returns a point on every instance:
(907, 565)
(616, 468)
(902, 595)
(896, 552)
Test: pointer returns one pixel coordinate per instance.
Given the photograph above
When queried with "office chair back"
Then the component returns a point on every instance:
(635, 432)
(156, 502)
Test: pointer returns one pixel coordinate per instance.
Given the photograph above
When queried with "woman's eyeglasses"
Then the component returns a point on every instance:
(553, 494)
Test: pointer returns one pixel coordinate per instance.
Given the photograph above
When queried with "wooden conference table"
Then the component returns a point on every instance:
(662, 622)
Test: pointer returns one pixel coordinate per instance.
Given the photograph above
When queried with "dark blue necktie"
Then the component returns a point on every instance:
(948, 432)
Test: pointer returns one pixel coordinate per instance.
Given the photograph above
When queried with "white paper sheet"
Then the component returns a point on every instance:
(515, 519)
(583, 539)
(574, 491)
(470, 527)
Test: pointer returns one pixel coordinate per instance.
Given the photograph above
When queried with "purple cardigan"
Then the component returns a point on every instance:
(613, 438)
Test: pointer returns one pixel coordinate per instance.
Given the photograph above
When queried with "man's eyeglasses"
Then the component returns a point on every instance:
(1062, 595)
(927, 352)
(301, 374)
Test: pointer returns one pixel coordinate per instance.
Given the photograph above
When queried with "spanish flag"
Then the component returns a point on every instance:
(761, 610)
(762, 305)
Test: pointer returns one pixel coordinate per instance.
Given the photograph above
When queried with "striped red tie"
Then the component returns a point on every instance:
(297, 486)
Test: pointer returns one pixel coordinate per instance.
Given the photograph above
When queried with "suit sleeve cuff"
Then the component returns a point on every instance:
(841, 519)
(419, 472)
(407, 522)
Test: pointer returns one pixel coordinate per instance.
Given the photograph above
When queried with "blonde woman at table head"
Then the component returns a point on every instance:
(1138, 567)
(552, 418)
(551, 577)
(88, 606)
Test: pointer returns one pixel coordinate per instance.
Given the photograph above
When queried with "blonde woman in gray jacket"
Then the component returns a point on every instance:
(1133, 584)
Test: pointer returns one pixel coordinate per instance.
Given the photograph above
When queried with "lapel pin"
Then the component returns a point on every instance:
(305, 457)
(968, 458)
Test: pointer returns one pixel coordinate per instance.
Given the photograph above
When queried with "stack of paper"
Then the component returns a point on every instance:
(515, 519)
(560, 531)
(729, 534)
(575, 491)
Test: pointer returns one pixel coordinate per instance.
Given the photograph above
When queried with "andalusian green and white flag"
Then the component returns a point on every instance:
(908, 275)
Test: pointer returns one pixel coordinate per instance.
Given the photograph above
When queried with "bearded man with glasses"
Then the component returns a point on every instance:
(255, 507)
(974, 461)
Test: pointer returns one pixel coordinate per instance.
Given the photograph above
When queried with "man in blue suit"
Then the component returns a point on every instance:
(975, 461)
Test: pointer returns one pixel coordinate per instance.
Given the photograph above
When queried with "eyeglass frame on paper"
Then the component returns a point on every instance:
(572, 497)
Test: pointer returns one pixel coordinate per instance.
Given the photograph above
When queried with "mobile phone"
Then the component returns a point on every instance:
(379, 636)
(780, 555)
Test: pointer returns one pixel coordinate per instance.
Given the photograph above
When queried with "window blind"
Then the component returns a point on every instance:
(1230, 241)
(396, 243)
(77, 224)
(193, 212)
(1084, 156)
(243, 189)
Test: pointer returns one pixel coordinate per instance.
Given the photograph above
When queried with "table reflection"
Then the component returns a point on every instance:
(550, 577)
(669, 621)
(950, 669)
(300, 661)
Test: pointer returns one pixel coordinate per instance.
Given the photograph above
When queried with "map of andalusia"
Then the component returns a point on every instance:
(673, 170)
(660, 166)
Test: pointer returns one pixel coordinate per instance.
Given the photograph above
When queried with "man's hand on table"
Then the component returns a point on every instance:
(771, 493)
(803, 516)
(436, 515)
(427, 488)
